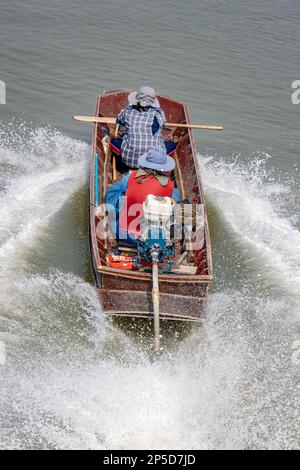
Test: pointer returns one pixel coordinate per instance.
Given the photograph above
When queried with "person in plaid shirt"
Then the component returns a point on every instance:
(140, 128)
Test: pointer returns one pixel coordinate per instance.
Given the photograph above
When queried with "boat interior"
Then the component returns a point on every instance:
(185, 176)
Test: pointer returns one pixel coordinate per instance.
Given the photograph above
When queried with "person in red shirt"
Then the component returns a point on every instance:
(151, 178)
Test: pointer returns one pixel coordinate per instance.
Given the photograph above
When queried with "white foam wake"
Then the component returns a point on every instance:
(39, 172)
(250, 201)
(74, 380)
(40, 169)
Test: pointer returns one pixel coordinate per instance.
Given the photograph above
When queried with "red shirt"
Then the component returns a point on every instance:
(136, 194)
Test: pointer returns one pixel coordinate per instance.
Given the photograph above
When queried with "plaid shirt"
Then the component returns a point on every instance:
(142, 131)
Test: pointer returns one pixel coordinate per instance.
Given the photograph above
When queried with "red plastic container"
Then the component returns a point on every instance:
(121, 262)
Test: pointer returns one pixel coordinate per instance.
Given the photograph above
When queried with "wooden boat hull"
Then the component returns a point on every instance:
(186, 304)
(129, 293)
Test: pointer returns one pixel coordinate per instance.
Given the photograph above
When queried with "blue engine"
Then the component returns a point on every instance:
(155, 247)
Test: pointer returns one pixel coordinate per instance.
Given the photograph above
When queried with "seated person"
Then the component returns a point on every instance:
(151, 178)
(141, 124)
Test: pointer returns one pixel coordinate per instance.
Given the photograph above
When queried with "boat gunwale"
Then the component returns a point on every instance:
(203, 198)
(92, 225)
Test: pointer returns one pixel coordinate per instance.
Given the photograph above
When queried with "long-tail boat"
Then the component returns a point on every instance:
(183, 290)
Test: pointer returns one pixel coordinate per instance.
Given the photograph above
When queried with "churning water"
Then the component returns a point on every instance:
(74, 379)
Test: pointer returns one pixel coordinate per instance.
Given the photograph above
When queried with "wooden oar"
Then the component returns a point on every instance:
(110, 120)
(155, 301)
(114, 157)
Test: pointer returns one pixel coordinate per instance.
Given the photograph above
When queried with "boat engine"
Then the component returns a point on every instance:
(154, 243)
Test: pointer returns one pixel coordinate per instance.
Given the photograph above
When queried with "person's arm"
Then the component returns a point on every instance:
(125, 179)
(114, 200)
(176, 196)
(121, 118)
(116, 191)
(161, 117)
(121, 121)
(158, 120)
